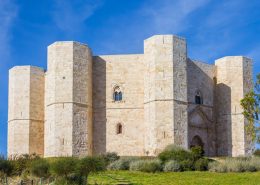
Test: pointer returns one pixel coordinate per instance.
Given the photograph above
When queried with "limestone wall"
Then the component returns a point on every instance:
(234, 79)
(75, 105)
(165, 92)
(125, 71)
(201, 117)
(25, 110)
(68, 101)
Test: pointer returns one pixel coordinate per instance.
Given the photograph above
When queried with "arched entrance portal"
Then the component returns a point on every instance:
(196, 141)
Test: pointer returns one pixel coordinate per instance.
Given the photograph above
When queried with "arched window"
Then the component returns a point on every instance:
(117, 95)
(198, 98)
(119, 128)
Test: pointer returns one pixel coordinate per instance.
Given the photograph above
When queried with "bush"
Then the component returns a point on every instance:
(176, 153)
(172, 166)
(154, 165)
(257, 152)
(121, 164)
(197, 152)
(90, 164)
(217, 167)
(64, 167)
(201, 164)
(187, 165)
(255, 161)
(5, 167)
(234, 165)
(110, 157)
(21, 163)
(40, 168)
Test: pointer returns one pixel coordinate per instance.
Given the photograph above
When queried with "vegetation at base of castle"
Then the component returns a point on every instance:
(72, 170)
(257, 152)
(251, 109)
(238, 164)
(150, 166)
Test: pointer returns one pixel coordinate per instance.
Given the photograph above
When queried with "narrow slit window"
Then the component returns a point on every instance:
(119, 128)
(198, 98)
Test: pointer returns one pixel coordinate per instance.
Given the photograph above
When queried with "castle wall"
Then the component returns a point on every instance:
(234, 80)
(70, 109)
(26, 113)
(68, 100)
(201, 117)
(125, 71)
(165, 92)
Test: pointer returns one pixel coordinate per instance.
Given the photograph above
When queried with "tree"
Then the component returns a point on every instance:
(90, 164)
(251, 110)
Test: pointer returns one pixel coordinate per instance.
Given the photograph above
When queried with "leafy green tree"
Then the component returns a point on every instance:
(251, 110)
(90, 164)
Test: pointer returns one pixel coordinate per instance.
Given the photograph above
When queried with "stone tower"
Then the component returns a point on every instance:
(165, 98)
(26, 110)
(68, 100)
(165, 92)
(234, 80)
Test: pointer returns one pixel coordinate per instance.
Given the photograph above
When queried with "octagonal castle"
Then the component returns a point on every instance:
(134, 105)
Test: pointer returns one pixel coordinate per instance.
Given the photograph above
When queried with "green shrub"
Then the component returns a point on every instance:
(64, 167)
(21, 163)
(154, 165)
(255, 161)
(121, 164)
(197, 152)
(201, 164)
(6, 167)
(110, 157)
(217, 167)
(90, 164)
(40, 168)
(235, 165)
(172, 166)
(257, 152)
(176, 153)
(187, 165)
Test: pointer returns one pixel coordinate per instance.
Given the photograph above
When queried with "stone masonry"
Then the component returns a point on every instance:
(134, 105)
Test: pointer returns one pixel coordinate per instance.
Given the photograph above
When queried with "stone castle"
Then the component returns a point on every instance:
(134, 105)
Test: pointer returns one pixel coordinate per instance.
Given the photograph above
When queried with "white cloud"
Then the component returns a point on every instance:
(171, 16)
(8, 11)
(69, 16)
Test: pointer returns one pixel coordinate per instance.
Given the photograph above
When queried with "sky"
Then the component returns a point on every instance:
(213, 29)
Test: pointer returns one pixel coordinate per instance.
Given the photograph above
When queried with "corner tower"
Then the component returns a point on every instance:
(234, 80)
(68, 100)
(26, 111)
(165, 93)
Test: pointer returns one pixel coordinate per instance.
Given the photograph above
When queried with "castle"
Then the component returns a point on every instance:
(134, 105)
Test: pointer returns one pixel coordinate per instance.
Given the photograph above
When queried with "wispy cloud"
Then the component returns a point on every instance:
(8, 11)
(170, 16)
(69, 16)
(152, 17)
(217, 33)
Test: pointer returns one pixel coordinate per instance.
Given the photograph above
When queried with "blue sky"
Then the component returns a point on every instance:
(213, 29)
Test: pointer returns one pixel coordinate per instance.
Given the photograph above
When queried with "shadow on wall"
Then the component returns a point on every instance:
(99, 105)
(201, 115)
(224, 120)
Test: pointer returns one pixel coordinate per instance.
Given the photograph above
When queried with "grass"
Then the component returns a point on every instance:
(175, 178)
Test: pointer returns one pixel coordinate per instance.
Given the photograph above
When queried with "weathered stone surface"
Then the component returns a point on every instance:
(26, 110)
(68, 100)
(234, 80)
(159, 92)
